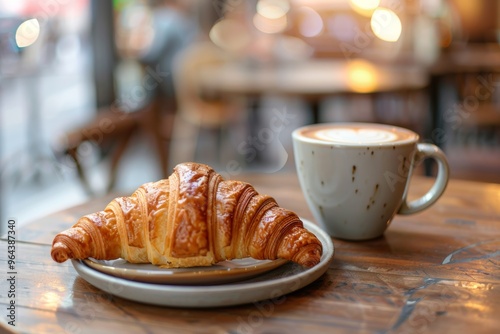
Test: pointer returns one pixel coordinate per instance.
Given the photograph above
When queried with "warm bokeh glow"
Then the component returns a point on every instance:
(50, 300)
(364, 7)
(270, 26)
(386, 24)
(361, 76)
(273, 9)
(27, 33)
(310, 24)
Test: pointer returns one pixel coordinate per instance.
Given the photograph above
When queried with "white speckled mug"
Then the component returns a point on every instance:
(355, 176)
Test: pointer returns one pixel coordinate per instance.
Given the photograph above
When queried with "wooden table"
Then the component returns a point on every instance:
(433, 272)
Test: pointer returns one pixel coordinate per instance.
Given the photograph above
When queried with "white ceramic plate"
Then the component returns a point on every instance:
(222, 272)
(273, 284)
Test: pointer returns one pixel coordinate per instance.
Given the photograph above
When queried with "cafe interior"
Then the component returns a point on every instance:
(99, 97)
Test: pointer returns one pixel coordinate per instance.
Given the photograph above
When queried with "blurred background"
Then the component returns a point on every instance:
(100, 96)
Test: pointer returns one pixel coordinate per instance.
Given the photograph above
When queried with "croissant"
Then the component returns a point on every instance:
(192, 218)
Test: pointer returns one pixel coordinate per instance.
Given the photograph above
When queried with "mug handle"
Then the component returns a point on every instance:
(425, 150)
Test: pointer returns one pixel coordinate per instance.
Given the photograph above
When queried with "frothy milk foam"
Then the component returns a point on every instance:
(356, 134)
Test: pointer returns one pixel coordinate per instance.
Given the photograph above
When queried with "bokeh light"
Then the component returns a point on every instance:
(361, 76)
(386, 24)
(270, 26)
(273, 9)
(27, 33)
(311, 24)
(364, 7)
(230, 35)
(342, 27)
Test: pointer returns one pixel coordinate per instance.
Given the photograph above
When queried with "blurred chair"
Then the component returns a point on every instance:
(196, 112)
(112, 130)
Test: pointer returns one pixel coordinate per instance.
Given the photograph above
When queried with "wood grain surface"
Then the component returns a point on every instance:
(433, 272)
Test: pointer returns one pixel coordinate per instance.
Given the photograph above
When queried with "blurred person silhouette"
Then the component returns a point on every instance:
(153, 40)
(174, 28)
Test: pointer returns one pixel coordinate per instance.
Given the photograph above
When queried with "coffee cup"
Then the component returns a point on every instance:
(355, 176)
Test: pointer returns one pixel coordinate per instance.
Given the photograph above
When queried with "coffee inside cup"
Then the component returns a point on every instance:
(358, 134)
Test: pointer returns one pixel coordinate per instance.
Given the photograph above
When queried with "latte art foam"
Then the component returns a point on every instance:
(359, 134)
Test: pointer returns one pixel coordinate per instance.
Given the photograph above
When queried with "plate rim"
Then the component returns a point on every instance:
(219, 275)
(254, 290)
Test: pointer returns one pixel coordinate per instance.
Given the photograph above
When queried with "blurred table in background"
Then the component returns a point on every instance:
(465, 103)
(312, 80)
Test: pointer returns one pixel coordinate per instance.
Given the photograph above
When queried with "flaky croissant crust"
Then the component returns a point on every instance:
(193, 218)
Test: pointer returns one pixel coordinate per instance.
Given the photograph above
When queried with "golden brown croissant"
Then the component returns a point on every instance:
(193, 218)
